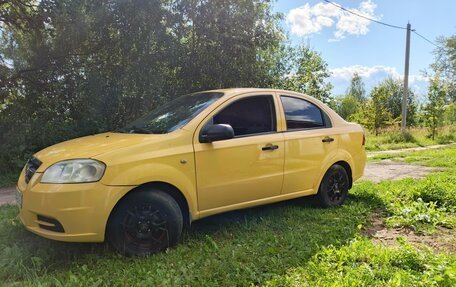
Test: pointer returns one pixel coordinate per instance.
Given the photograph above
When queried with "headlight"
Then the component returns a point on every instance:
(74, 171)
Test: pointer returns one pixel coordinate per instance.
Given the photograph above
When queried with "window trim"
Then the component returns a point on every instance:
(235, 99)
(324, 115)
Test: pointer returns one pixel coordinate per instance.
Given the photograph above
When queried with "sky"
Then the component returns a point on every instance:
(349, 43)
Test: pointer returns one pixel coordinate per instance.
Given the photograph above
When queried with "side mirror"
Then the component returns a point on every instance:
(216, 133)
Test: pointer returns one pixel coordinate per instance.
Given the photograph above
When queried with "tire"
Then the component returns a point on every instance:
(145, 222)
(334, 187)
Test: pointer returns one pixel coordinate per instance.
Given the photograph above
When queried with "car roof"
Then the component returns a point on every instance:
(230, 92)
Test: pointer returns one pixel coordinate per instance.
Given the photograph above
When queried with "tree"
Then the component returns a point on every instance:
(355, 97)
(435, 107)
(395, 91)
(450, 114)
(357, 89)
(72, 68)
(374, 115)
(445, 65)
(309, 75)
(227, 43)
(346, 106)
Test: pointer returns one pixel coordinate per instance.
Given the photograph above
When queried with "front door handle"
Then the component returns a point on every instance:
(327, 140)
(270, 147)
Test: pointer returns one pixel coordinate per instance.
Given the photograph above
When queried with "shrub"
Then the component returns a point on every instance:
(398, 137)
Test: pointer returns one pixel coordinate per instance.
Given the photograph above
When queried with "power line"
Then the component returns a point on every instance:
(426, 39)
(365, 17)
(380, 22)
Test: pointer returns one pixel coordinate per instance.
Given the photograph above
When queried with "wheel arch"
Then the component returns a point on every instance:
(168, 188)
(344, 162)
(348, 169)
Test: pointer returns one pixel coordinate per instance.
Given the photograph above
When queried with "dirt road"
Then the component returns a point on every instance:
(390, 170)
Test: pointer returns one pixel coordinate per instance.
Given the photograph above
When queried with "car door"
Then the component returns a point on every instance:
(247, 167)
(309, 143)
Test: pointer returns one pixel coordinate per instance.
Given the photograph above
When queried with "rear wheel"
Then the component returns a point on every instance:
(145, 222)
(334, 187)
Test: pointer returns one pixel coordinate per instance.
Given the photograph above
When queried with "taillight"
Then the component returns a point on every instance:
(364, 138)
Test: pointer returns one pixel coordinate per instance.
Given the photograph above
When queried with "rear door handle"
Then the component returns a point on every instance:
(327, 140)
(270, 147)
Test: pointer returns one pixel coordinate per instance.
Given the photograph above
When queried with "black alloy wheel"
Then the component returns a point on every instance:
(145, 222)
(334, 187)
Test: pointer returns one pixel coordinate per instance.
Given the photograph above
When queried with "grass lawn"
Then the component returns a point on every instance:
(393, 139)
(284, 244)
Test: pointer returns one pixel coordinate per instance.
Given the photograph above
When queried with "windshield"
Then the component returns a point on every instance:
(173, 115)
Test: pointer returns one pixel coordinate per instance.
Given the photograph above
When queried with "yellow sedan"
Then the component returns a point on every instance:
(198, 155)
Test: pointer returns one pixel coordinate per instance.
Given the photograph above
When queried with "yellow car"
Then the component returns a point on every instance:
(198, 155)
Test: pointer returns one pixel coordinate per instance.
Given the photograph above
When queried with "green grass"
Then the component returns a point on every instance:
(284, 244)
(236, 248)
(415, 137)
(361, 263)
(420, 205)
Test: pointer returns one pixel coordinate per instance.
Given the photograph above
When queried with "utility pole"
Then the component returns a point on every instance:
(406, 74)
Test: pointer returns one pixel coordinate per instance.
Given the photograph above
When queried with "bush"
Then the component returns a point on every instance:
(399, 137)
(446, 139)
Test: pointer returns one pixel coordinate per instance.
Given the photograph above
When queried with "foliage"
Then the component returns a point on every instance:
(374, 115)
(434, 108)
(393, 138)
(450, 114)
(383, 108)
(395, 90)
(357, 89)
(346, 106)
(72, 68)
(445, 65)
(308, 75)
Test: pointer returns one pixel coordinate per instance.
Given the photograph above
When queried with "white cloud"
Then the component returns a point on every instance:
(377, 71)
(346, 73)
(372, 76)
(307, 20)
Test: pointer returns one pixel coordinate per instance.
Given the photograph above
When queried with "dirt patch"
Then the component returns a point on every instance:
(442, 240)
(390, 170)
(7, 195)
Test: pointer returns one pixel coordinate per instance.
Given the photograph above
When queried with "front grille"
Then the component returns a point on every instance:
(50, 224)
(30, 168)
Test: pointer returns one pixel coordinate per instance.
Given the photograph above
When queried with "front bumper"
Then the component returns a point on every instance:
(81, 209)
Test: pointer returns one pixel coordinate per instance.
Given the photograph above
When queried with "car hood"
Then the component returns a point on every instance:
(91, 146)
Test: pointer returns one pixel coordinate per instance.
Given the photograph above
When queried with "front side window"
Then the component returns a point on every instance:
(248, 116)
(301, 114)
(172, 115)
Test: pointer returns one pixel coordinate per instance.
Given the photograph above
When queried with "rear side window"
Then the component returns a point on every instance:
(249, 116)
(301, 114)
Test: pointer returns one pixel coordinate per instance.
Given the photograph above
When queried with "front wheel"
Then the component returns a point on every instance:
(334, 187)
(145, 222)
